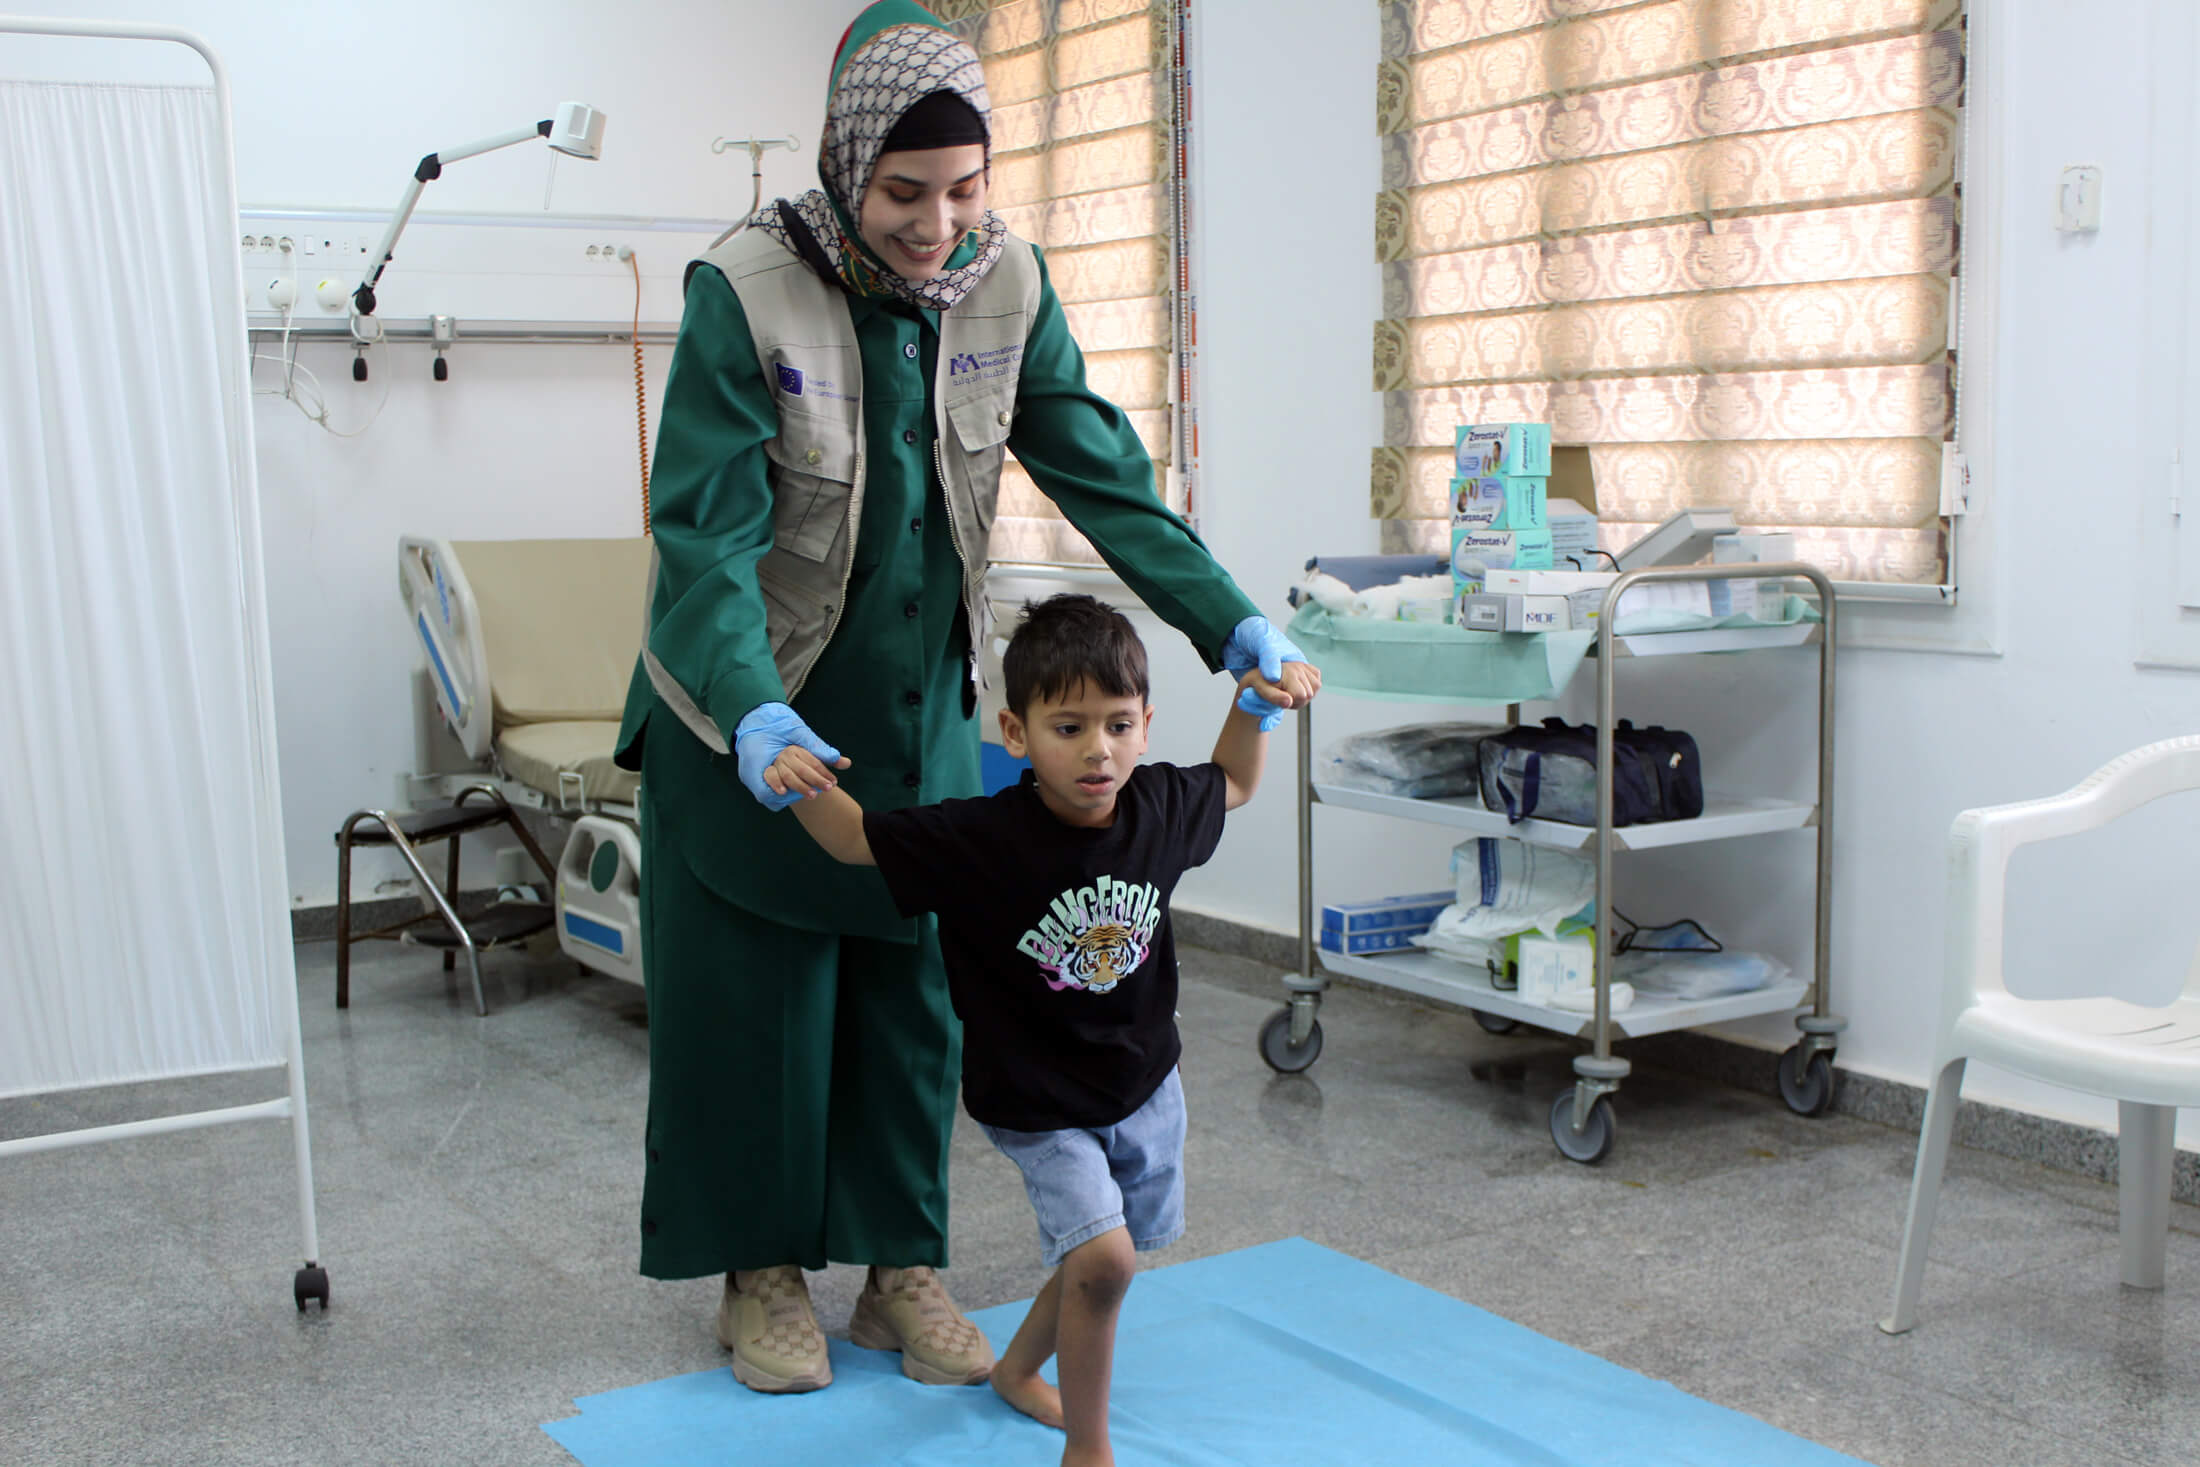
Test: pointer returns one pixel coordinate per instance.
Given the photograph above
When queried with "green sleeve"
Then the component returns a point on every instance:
(1084, 454)
(711, 511)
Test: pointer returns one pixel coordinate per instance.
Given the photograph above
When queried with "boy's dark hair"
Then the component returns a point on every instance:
(1071, 639)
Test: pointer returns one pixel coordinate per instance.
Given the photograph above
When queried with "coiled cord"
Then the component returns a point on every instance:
(641, 396)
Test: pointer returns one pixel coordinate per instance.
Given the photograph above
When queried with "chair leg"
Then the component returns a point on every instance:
(450, 889)
(2145, 1147)
(343, 915)
(1941, 1104)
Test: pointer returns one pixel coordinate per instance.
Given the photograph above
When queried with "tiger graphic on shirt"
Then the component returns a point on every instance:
(1095, 936)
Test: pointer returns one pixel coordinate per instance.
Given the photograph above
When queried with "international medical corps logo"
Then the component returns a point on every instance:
(1096, 936)
(1002, 361)
(790, 380)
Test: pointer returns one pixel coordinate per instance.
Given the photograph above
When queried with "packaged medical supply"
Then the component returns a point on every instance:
(1416, 761)
(1584, 1000)
(1550, 773)
(1522, 448)
(1366, 944)
(1446, 939)
(1479, 611)
(1551, 965)
(1325, 591)
(1485, 612)
(1537, 614)
(1526, 582)
(1429, 596)
(1434, 607)
(1413, 911)
(1504, 961)
(1740, 598)
(1474, 553)
(1507, 886)
(1471, 459)
(1573, 531)
(1698, 975)
(1733, 598)
(1498, 502)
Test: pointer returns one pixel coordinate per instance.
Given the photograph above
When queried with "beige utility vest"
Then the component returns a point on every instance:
(806, 344)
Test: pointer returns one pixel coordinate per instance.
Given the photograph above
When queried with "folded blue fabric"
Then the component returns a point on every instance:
(1283, 1354)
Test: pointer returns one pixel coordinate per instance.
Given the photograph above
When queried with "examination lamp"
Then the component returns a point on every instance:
(577, 131)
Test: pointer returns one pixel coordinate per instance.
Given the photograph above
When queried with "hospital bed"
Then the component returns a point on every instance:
(527, 647)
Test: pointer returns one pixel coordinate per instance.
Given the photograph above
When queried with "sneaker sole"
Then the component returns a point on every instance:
(866, 1329)
(757, 1378)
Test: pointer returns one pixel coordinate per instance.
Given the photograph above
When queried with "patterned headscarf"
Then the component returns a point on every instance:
(896, 54)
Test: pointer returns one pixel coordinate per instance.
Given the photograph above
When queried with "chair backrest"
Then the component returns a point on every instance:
(561, 621)
(1982, 841)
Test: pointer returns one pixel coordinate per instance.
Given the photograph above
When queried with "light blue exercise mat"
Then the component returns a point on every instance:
(1279, 1355)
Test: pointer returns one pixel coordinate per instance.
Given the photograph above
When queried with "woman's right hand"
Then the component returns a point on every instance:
(769, 730)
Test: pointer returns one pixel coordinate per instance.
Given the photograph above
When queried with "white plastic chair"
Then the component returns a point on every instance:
(2146, 1059)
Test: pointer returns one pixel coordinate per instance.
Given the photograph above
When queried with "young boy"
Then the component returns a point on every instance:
(1052, 898)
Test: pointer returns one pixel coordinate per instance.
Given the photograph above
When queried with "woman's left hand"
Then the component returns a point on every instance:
(1256, 647)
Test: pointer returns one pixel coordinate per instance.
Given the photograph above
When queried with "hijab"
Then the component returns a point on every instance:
(896, 56)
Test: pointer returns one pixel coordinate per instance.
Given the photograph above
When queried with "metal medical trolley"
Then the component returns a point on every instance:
(1581, 1117)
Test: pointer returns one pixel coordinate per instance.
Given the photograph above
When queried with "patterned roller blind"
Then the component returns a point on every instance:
(1713, 241)
(1083, 166)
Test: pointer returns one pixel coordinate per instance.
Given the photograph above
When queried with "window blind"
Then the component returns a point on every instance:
(1712, 241)
(1084, 166)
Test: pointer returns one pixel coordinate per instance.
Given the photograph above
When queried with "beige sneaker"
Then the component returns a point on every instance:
(907, 1309)
(764, 1317)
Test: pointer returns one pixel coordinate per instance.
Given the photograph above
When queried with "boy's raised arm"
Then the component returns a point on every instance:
(1242, 749)
(835, 821)
(829, 813)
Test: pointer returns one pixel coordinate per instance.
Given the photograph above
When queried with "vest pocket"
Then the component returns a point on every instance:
(813, 475)
(981, 426)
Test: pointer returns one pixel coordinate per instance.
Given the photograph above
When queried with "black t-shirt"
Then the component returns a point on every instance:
(1056, 938)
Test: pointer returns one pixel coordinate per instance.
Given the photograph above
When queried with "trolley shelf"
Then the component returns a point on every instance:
(1714, 639)
(1441, 978)
(1723, 818)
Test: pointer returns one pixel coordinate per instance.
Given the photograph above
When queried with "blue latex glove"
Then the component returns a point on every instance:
(769, 728)
(1255, 642)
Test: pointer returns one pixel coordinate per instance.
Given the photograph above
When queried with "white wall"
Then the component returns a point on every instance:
(334, 105)
(1289, 172)
(539, 441)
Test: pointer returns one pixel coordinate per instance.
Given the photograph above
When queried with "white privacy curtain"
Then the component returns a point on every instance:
(142, 914)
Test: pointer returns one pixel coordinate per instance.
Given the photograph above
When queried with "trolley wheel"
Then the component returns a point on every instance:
(1494, 1023)
(1806, 1086)
(311, 1282)
(1276, 1046)
(1593, 1142)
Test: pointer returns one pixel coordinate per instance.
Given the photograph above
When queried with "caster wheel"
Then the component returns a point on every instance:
(1593, 1142)
(311, 1282)
(1494, 1023)
(1806, 1087)
(1277, 1049)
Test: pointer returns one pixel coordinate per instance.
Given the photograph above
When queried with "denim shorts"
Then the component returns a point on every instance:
(1083, 1183)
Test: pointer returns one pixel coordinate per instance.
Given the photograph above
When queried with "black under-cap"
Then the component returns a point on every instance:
(941, 119)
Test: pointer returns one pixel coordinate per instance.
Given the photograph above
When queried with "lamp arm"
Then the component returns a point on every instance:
(430, 169)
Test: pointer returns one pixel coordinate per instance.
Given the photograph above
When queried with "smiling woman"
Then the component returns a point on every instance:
(850, 372)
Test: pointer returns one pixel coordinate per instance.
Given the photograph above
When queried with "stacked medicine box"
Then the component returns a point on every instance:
(1499, 509)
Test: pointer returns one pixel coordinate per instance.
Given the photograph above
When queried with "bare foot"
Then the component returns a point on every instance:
(1031, 1395)
(1102, 1455)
